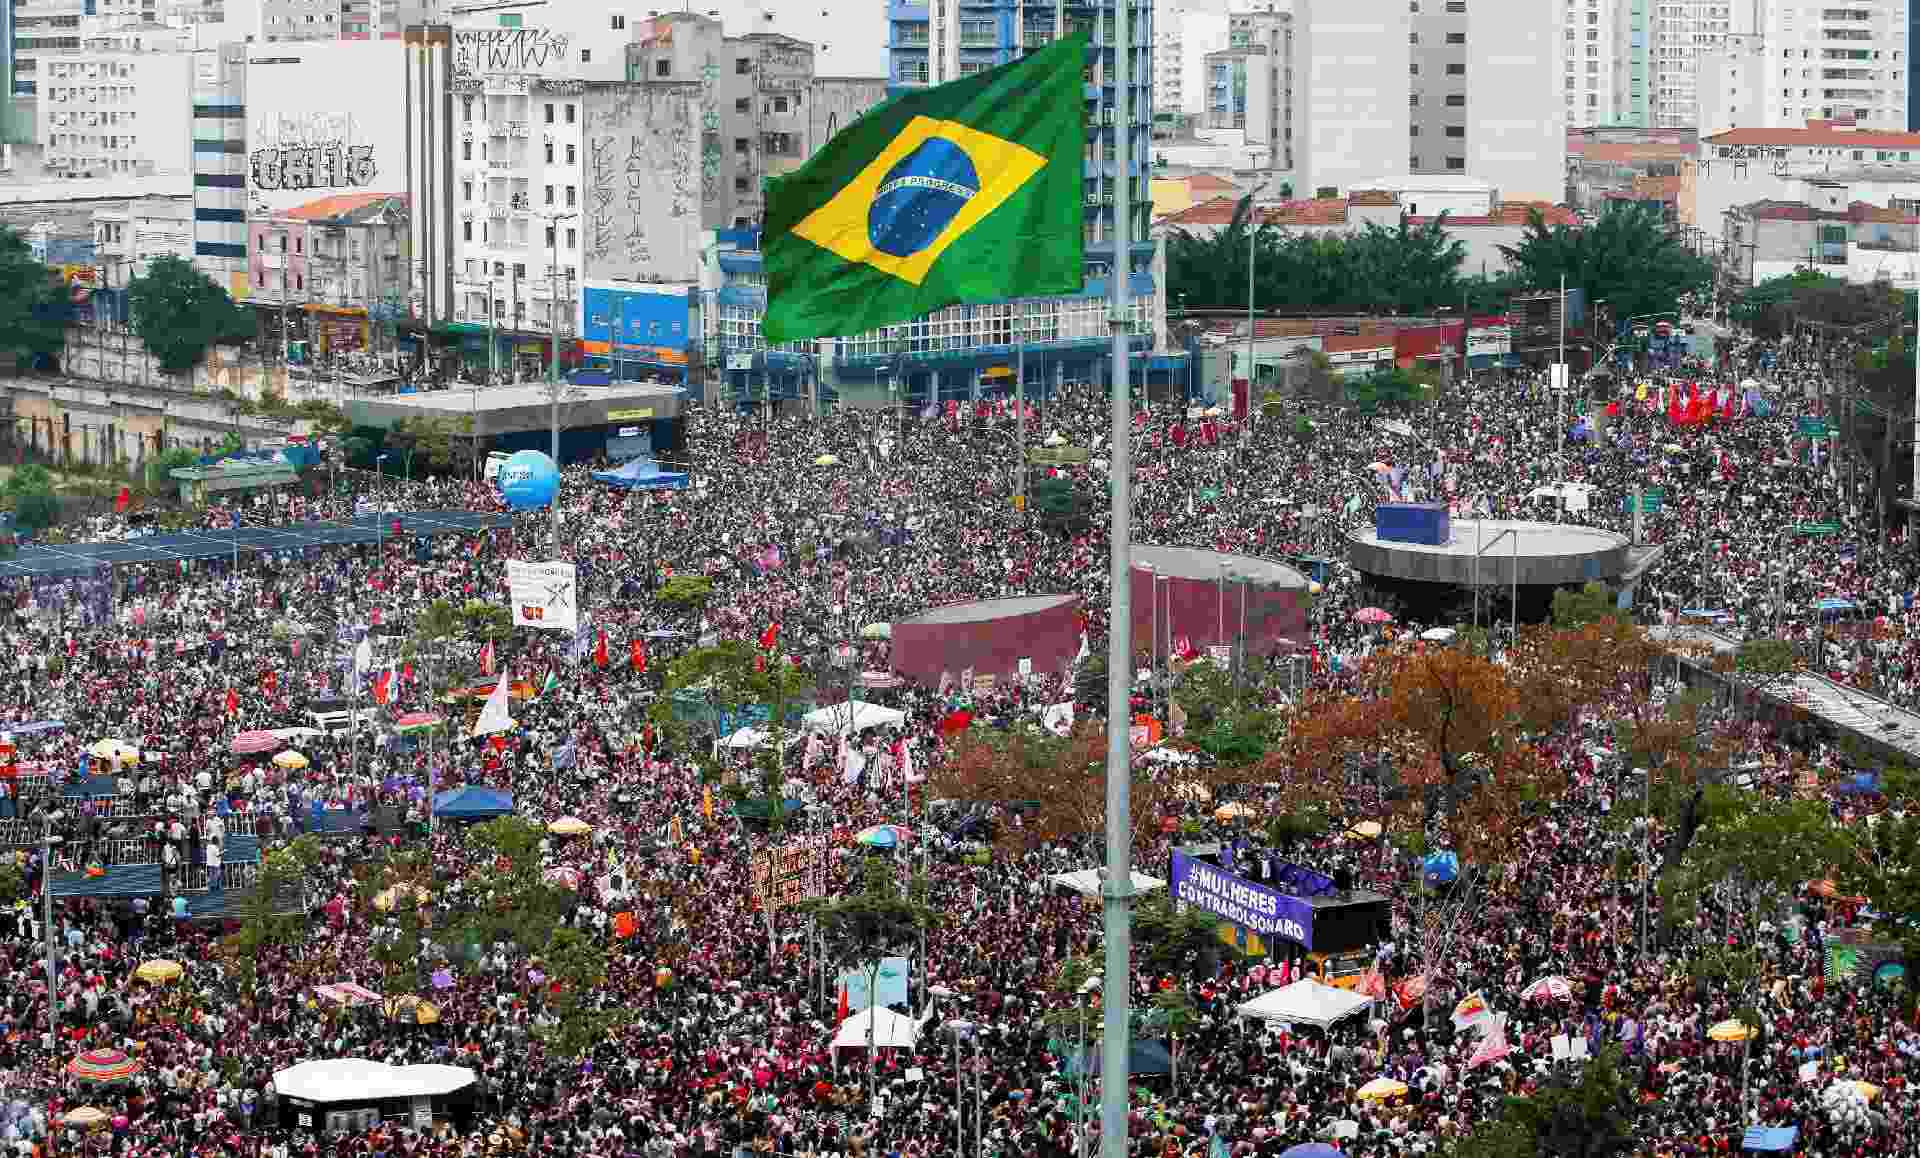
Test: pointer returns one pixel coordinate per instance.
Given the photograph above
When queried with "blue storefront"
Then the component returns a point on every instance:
(637, 334)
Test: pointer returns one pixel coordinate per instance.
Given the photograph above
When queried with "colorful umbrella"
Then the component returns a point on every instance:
(569, 826)
(826, 460)
(1233, 811)
(566, 878)
(1731, 1029)
(86, 1116)
(877, 631)
(418, 722)
(442, 979)
(1372, 615)
(385, 899)
(1380, 1089)
(1365, 830)
(253, 743)
(159, 971)
(118, 751)
(347, 993)
(883, 836)
(291, 760)
(104, 1065)
(1547, 989)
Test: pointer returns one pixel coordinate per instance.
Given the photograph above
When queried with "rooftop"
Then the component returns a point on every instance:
(1332, 212)
(1815, 135)
(1857, 212)
(347, 205)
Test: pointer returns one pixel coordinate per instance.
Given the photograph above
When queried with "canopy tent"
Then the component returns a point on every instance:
(751, 737)
(833, 717)
(1145, 1055)
(1770, 1138)
(1307, 1002)
(355, 1079)
(889, 1030)
(472, 802)
(641, 474)
(1086, 882)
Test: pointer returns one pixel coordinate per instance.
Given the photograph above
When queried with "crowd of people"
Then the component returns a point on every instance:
(733, 1054)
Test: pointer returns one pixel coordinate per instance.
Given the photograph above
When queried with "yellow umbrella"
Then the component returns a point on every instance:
(1380, 1089)
(385, 899)
(1365, 830)
(159, 971)
(412, 1010)
(86, 1116)
(1867, 1090)
(826, 460)
(1230, 811)
(291, 759)
(119, 751)
(1730, 1030)
(569, 826)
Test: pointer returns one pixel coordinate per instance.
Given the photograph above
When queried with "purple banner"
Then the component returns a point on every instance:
(1234, 898)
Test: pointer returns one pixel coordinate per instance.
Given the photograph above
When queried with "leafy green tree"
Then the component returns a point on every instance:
(879, 918)
(27, 479)
(1585, 1115)
(34, 306)
(271, 917)
(1168, 941)
(684, 591)
(178, 313)
(160, 468)
(1590, 604)
(729, 676)
(1626, 258)
(36, 510)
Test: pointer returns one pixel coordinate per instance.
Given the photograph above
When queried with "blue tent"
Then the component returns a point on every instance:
(472, 803)
(1144, 1056)
(1770, 1138)
(641, 474)
(1442, 867)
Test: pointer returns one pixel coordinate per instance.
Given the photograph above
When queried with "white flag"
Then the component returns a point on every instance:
(363, 657)
(493, 714)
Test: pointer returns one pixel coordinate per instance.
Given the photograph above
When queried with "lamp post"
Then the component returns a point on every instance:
(48, 842)
(553, 371)
(1251, 231)
(379, 522)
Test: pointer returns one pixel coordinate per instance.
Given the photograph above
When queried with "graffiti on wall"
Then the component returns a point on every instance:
(485, 50)
(710, 132)
(333, 165)
(642, 215)
(282, 130)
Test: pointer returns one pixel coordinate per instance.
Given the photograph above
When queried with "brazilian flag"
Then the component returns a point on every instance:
(969, 191)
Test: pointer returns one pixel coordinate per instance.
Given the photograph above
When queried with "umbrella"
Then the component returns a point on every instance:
(385, 899)
(418, 722)
(665, 633)
(566, 878)
(569, 826)
(1380, 1089)
(826, 460)
(1192, 790)
(347, 993)
(1438, 634)
(292, 759)
(1346, 1128)
(1731, 1029)
(1372, 615)
(253, 743)
(86, 1116)
(877, 631)
(159, 971)
(104, 1065)
(880, 679)
(1231, 811)
(411, 1010)
(1365, 830)
(1551, 988)
(442, 979)
(1377, 465)
(1312, 1150)
(119, 751)
(883, 836)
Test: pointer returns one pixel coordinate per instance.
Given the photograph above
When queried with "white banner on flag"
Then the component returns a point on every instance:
(543, 594)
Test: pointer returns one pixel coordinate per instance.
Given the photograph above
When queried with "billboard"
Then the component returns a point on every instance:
(646, 325)
(641, 219)
(1235, 899)
(543, 594)
(311, 134)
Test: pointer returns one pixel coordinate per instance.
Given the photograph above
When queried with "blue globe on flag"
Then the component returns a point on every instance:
(528, 480)
(920, 196)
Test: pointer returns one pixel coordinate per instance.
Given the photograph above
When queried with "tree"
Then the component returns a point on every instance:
(1061, 781)
(686, 592)
(1626, 258)
(1589, 604)
(27, 479)
(271, 918)
(178, 312)
(1167, 941)
(36, 510)
(160, 468)
(879, 918)
(727, 677)
(34, 303)
(1591, 1116)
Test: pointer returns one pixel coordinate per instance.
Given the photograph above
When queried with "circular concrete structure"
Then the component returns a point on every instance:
(1211, 597)
(991, 636)
(1536, 554)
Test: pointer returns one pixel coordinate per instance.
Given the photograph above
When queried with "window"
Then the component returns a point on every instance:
(466, 231)
(466, 190)
(1456, 130)
(572, 197)
(549, 152)
(570, 112)
(519, 269)
(743, 105)
(1456, 38)
(1456, 100)
(1413, 69)
(466, 150)
(739, 184)
(1456, 70)
(1456, 162)
(662, 68)
(573, 239)
(743, 66)
(549, 112)
(586, 56)
(740, 144)
(619, 21)
(1413, 130)
(779, 104)
(549, 235)
(570, 149)
(466, 108)
(549, 194)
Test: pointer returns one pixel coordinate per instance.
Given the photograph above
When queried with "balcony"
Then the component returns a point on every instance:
(497, 210)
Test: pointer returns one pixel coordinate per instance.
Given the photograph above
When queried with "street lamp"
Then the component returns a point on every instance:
(958, 1028)
(553, 372)
(48, 842)
(1251, 231)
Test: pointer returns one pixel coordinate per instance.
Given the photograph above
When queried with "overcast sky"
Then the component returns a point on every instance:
(849, 37)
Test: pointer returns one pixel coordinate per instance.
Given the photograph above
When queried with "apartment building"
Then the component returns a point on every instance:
(1593, 65)
(1847, 63)
(1352, 64)
(334, 262)
(220, 166)
(114, 114)
(1184, 33)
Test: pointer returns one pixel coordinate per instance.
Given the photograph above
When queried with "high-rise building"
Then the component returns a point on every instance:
(1593, 67)
(1664, 44)
(220, 165)
(114, 114)
(1352, 63)
(1184, 32)
(1838, 64)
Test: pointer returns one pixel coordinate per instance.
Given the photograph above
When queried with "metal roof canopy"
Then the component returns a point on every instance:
(83, 558)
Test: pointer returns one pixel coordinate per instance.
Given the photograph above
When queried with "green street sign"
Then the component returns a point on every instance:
(1815, 530)
(1651, 500)
(1813, 427)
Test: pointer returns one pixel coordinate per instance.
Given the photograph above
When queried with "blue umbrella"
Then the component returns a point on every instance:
(1312, 1150)
(1835, 605)
(1442, 867)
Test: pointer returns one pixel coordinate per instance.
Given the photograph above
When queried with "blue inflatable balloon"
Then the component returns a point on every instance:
(528, 480)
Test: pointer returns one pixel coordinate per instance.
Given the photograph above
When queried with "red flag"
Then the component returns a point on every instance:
(600, 650)
(1613, 410)
(844, 1010)
(486, 659)
(406, 674)
(1179, 434)
(270, 681)
(770, 636)
(638, 656)
(233, 702)
(123, 500)
(375, 616)
(382, 685)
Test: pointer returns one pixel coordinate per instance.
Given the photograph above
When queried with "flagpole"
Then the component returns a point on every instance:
(1117, 889)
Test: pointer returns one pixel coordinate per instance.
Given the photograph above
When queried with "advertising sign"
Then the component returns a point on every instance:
(792, 872)
(543, 595)
(892, 988)
(309, 136)
(1238, 900)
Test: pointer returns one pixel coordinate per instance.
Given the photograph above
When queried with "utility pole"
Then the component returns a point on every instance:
(1020, 415)
(1117, 889)
(553, 369)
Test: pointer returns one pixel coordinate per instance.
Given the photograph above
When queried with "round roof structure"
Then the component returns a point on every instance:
(983, 610)
(1196, 563)
(1506, 550)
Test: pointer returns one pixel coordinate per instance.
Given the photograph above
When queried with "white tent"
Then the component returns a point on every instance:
(1086, 882)
(890, 1030)
(357, 1079)
(1307, 1002)
(754, 738)
(833, 717)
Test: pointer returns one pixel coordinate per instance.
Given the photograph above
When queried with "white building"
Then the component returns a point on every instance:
(1800, 65)
(114, 114)
(1183, 34)
(1516, 120)
(1746, 165)
(1593, 69)
(582, 41)
(1351, 65)
(126, 238)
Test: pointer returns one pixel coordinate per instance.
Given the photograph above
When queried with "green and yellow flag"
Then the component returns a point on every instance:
(966, 192)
